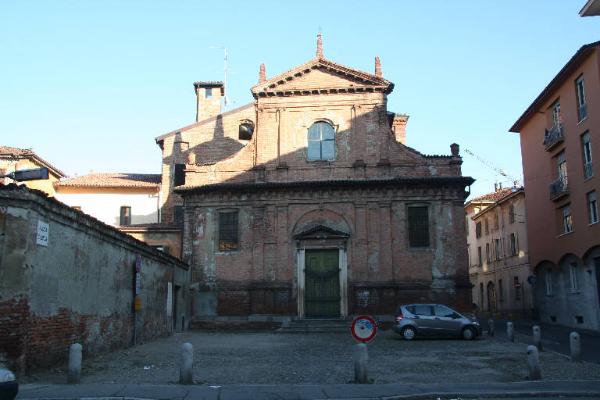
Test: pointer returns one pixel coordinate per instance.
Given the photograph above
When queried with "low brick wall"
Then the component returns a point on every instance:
(77, 284)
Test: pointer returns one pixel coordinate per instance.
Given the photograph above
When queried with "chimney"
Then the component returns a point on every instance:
(208, 99)
(262, 74)
(455, 150)
(378, 67)
(399, 127)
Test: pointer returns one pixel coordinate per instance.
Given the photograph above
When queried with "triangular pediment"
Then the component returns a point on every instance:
(320, 76)
(321, 232)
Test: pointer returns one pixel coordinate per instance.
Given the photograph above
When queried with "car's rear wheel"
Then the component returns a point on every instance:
(409, 333)
(468, 333)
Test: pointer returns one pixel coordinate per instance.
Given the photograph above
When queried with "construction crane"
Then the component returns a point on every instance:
(499, 171)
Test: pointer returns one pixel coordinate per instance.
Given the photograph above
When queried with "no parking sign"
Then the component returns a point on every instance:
(364, 328)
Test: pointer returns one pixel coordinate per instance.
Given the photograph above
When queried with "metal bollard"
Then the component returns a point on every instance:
(187, 361)
(491, 327)
(74, 373)
(575, 346)
(537, 337)
(361, 359)
(510, 331)
(533, 362)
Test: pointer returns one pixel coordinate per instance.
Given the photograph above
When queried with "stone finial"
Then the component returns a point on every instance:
(455, 149)
(378, 67)
(262, 74)
(319, 46)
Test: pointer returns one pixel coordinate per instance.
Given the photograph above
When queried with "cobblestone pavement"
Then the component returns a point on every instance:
(271, 358)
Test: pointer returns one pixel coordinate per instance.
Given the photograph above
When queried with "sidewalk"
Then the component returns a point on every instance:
(554, 337)
(572, 389)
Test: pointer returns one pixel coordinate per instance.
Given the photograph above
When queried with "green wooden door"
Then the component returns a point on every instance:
(322, 283)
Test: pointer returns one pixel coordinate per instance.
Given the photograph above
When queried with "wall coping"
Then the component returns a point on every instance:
(22, 197)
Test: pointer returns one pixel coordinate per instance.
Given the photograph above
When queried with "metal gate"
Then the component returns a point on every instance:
(322, 283)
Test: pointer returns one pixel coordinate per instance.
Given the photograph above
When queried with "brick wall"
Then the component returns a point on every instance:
(77, 288)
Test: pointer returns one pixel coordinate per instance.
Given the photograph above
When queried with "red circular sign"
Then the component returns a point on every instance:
(364, 328)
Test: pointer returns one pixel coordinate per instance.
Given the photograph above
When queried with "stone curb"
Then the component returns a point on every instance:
(539, 389)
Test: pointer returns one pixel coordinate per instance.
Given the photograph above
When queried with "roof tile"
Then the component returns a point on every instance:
(113, 180)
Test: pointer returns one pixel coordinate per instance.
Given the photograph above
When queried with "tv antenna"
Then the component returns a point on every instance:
(225, 70)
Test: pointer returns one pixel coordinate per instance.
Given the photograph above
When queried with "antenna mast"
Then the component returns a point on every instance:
(225, 70)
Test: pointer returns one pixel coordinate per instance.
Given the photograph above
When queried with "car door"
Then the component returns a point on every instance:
(446, 321)
(424, 318)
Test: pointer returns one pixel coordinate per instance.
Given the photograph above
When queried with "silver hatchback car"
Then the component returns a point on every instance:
(434, 320)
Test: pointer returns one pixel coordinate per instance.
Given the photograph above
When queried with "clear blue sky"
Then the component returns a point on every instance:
(89, 85)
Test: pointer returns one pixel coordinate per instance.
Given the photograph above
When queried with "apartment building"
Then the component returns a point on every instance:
(499, 267)
(560, 136)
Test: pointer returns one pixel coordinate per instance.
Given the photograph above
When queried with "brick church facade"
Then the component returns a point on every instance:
(307, 203)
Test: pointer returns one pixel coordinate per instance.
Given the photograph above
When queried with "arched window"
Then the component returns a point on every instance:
(246, 130)
(321, 142)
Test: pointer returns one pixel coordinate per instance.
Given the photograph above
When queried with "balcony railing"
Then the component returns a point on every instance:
(582, 111)
(559, 188)
(588, 170)
(554, 136)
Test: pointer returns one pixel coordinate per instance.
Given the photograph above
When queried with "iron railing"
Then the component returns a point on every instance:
(559, 188)
(553, 136)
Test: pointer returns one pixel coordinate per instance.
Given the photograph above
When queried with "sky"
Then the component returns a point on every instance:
(88, 85)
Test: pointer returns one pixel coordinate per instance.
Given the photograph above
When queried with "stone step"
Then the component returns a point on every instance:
(316, 326)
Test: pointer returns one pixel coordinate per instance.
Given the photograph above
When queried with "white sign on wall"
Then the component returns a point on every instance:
(43, 231)
(169, 299)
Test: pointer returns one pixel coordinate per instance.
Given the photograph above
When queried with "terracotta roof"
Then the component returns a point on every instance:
(494, 196)
(160, 138)
(369, 80)
(583, 52)
(156, 226)
(113, 180)
(17, 153)
(14, 151)
(90, 221)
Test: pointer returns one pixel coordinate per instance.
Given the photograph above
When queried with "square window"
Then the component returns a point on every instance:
(208, 93)
(228, 231)
(179, 175)
(514, 247)
(511, 214)
(418, 226)
(586, 147)
(581, 103)
(125, 216)
(592, 207)
(178, 215)
(573, 276)
(567, 219)
(548, 282)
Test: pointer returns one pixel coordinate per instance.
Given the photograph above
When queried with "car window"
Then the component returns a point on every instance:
(411, 309)
(443, 311)
(423, 309)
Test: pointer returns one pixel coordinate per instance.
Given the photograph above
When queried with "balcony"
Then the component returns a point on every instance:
(559, 188)
(582, 112)
(588, 170)
(554, 136)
